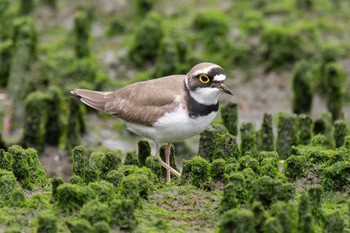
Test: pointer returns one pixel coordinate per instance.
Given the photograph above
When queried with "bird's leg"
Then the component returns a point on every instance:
(167, 160)
(166, 166)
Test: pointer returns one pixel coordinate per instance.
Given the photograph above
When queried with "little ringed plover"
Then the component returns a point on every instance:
(167, 109)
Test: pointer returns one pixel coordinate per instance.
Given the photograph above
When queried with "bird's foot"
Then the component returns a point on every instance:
(172, 170)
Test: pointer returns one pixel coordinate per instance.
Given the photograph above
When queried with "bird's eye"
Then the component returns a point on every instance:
(204, 78)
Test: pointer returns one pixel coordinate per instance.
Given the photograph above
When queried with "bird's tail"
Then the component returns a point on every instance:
(94, 99)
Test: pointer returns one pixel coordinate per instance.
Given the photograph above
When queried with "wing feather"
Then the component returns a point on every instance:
(142, 102)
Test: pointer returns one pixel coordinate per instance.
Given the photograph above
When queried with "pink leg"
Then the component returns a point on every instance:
(167, 161)
(167, 165)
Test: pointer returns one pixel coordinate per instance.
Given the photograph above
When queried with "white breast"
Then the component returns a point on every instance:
(173, 126)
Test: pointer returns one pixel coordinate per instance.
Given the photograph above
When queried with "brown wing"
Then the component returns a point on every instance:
(142, 102)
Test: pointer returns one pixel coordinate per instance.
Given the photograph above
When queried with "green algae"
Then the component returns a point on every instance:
(5, 160)
(47, 222)
(240, 221)
(144, 151)
(71, 197)
(104, 191)
(336, 177)
(123, 213)
(248, 139)
(20, 166)
(79, 226)
(79, 161)
(131, 158)
(95, 211)
(153, 163)
(11, 194)
(101, 227)
(114, 177)
(217, 169)
(229, 115)
(196, 171)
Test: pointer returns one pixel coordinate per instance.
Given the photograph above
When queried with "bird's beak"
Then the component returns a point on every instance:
(223, 88)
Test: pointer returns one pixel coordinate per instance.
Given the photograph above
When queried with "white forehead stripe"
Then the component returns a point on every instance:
(219, 77)
(203, 71)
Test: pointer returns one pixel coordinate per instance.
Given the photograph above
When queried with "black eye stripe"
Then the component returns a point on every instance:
(215, 71)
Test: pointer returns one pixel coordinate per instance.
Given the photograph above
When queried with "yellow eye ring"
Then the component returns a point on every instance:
(204, 78)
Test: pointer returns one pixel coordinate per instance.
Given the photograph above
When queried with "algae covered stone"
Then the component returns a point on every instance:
(20, 166)
(11, 194)
(248, 139)
(5, 160)
(153, 163)
(229, 115)
(295, 166)
(211, 143)
(286, 134)
(79, 161)
(101, 227)
(266, 134)
(217, 169)
(95, 211)
(144, 151)
(37, 172)
(131, 158)
(123, 213)
(115, 177)
(71, 197)
(336, 177)
(79, 226)
(240, 221)
(55, 182)
(103, 190)
(268, 190)
(196, 171)
(47, 222)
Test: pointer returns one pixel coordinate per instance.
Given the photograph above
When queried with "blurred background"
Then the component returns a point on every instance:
(279, 55)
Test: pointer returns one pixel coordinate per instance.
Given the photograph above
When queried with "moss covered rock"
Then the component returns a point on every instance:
(286, 134)
(79, 225)
(123, 213)
(131, 158)
(240, 221)
(71, 197)
(104, 191)
(146, 40)
(35, 120)
(11, 194)
(248, 139)
(5, 160)
(217, 169)
(211, 143)
(249, 162)
(20, 166)
(36, 170)
(266, 134)
(196, 171)
(115, 177)
(229, 115)
(79, 161)
(95, 211)
(295, 166)
(268, 190)
(153, 163)
(144, 151)
(47, 222)
(336, 177)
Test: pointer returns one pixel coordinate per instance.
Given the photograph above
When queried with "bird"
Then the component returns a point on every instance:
(167, 109)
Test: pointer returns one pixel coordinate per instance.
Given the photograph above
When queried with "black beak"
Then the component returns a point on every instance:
(223, 88)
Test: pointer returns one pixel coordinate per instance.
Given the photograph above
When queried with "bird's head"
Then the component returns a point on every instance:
(205, 82)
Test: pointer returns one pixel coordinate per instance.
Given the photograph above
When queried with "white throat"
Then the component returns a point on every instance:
(205, 95)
